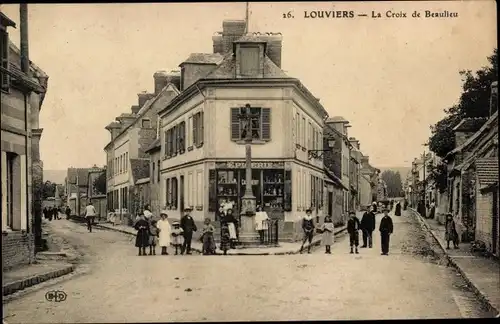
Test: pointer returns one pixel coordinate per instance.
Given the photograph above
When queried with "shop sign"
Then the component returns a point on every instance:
(255, 165)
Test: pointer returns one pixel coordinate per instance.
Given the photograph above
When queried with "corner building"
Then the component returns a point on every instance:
(203, 151)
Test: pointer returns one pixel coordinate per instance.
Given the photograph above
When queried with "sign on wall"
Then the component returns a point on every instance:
(255, 165)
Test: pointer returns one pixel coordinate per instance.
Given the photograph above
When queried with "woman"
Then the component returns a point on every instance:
(207, 237)
(397, 211)
(232, 224)
(142, 236)
(328, 237)
(165, 232)
(261, 223)
(451, 234)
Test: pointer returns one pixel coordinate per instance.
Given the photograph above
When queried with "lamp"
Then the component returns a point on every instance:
(314, 153)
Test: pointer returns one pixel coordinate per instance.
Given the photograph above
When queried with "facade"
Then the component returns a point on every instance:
(95, 194)
(23, 88)
(203, 151)
(131, 135)
(155, 177)
(334, 198)
(354, 174)
(77, 189)
(369, 177)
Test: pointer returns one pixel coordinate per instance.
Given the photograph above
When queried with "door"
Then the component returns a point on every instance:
(494, 230)
(181, 189)
(330, 203)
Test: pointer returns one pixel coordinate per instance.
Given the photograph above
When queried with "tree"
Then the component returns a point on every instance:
(100, 183)
(439, 175)
(473, 102)
(394, 184)
(48, 189)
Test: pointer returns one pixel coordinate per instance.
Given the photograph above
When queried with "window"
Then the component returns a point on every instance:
(309, 136)
(8, 179)
(159, 169)
(260, 124)
(249, 60)
(5, 59)
(175, 140)
(182, 137)
(169, 143)
(303, 132)
(198, 129)
(146, 123)
(189, 132)
(200, 189)
(153, 173)
(174, 193)
(168, 193)
(165, 138)
(126, 162)
(297, 128)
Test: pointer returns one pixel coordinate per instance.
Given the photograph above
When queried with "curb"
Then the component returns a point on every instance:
(451, 262)
(315, 242)
(21, 284)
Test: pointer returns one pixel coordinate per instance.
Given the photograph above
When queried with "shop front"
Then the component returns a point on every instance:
(271, 184)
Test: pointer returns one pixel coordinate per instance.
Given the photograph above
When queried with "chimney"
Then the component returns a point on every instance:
(125, 120)
(231, 31)
(494, 98)
(161, 80)
(23, 16)
(143, 97)
(197, 66)
(466, 128)
(135, 109)
(354, 142)
(274, 44)
(338, 123)
(218, 43)
(114, 129)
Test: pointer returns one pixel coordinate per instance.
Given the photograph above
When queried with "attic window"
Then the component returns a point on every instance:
(249, 60)
(146, 123)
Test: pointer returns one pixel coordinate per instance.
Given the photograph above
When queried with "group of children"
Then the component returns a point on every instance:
(152, 233)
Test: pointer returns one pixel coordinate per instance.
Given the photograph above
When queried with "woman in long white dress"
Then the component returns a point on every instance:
(165, 231)
(261, 223)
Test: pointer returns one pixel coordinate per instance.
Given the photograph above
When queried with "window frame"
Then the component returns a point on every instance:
(146, 120)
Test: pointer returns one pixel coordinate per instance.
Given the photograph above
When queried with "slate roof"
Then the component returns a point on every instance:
(487, 171)
(140, 168)
(204, 58)
(83, 175)
(154, 146)
(227, 69)
(470, 124)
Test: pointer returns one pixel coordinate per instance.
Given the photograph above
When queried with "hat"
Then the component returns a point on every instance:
(308, 210)
(164, 212)
(175, 223)
(189, 208)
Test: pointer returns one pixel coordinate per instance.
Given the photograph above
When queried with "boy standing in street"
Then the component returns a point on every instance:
(368, 226)
(353, 227)
(386, 227)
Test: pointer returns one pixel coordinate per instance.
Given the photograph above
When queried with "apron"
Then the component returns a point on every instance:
(232, 231)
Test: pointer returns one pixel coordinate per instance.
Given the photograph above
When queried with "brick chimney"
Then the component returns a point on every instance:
(354, 142)
(494, 98)
(143, 97)
(274, 44)
(114, 129)
(135, 109)
(218, 43)
(231, 31)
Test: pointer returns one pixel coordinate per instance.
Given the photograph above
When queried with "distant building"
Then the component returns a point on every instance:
(95, 194)
(155, 198)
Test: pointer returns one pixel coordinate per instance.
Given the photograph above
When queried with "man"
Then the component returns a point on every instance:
(353, 227)
(368, 226)
(374, 206)
(90, 214)
(68, 212)
(45, 213)
(308, 228)
(385, 228)
(188, 226)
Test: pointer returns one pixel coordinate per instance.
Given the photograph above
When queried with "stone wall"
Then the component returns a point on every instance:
(18, 248)
(484, 218)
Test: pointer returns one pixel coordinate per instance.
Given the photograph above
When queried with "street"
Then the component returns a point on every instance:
(410, 283)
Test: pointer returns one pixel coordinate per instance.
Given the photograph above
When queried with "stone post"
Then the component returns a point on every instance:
(37, 183)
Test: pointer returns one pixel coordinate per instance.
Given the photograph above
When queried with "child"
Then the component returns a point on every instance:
(225, 238)
(327, 238)
(154, 232)
(208, 238)
(451, 234)
(353, 227)
(142, 237)
(177, 238)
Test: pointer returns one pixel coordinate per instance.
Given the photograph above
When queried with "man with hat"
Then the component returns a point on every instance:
(353, 227)
(308, 228)
(386, 227)
(188, 227)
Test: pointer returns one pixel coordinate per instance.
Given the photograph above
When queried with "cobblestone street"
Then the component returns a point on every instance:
(410, 283)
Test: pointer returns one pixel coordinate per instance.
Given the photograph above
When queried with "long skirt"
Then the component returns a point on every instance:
(142, 238)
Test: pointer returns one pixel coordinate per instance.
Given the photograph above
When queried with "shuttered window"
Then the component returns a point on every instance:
(5, 59)
(297, 128)
(165, 139)
(195, 129)
(153, 173)
(182, 137)
(175, 141)
(235, 124)
(159, 169)
(266, 124)
(260, 126)
(287, 197)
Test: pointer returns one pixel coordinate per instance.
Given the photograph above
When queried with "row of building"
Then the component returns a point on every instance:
(183, 144)
(23, 89)
(470, 179)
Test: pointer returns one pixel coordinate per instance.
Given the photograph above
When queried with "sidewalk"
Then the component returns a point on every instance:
(481, 273)
(285, 248)
(33, 274)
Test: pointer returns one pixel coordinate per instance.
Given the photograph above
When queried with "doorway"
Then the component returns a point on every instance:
(330, 203)
(181, 189)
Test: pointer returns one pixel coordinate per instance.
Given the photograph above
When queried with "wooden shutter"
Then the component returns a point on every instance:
(5, 59)
(167, 191)
(195, 129)
(201, 132)
(159, 171)
(287, 194)
(212, 191)
(266, 123)
(182, 137)
(175, 139)
(235, 124)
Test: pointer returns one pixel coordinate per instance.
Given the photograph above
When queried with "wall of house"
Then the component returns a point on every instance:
(365, 192)
(484, 218)
(155, 185)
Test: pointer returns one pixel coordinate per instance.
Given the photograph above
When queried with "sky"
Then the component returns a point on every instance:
(390, 77)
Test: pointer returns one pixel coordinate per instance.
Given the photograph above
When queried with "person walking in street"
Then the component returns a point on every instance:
(432, 210)
(142, 236)
(405, 206)
(207, 237)
(386, 228)
(177, 238)
(68, 212)
(367, 227)
(45, 212)
(225, 239)
(451, 234)
(50, 213)
(90, 216)
(154, 232)
(189, 227)
(397, 210)
(56, 213)
(328, 237)
(232, 223)
(165, 232)
(353, 227)
(308, 228)
(261, 223)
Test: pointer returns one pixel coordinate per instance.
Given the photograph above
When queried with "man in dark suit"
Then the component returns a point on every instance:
(368, 226)
(386, 227)
(188, 226)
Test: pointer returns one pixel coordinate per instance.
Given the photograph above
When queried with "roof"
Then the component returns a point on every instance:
(337, 119)
(156, 145)
(227, 69)
(470, 124)
(82, 173)
(493, 119)
(336, 180)
(140, 168)
(6, 21)
(203, 58)
(487, 171)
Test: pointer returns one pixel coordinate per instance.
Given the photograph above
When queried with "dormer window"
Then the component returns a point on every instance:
(146, 123)
(249, 60)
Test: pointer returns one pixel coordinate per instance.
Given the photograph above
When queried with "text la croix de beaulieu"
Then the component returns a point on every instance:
(322, 14)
